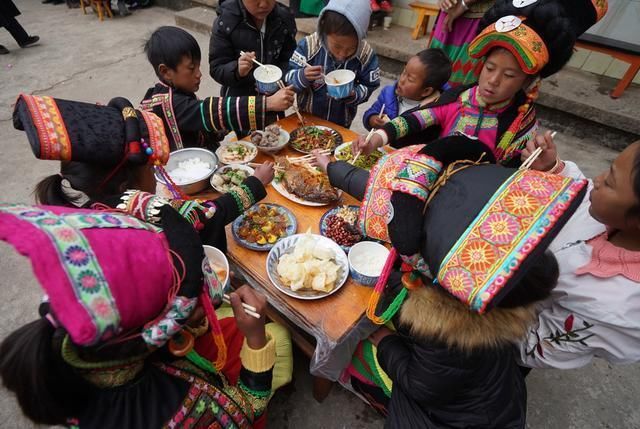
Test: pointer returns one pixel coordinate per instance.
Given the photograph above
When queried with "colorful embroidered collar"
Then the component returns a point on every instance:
(609, 260)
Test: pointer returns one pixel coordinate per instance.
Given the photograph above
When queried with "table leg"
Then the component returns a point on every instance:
(419, 22)
(626, 80)
(321, 388)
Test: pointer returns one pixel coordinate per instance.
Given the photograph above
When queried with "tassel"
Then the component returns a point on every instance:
(377, 293)
(173, 188)
(216, 330)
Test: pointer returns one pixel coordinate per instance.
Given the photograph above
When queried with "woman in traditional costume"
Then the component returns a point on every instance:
(499, 111)
(114, 345)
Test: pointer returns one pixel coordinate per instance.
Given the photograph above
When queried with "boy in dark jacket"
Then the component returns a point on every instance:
(420, 83)
(337, 44)
(175, 57)
(263, 29)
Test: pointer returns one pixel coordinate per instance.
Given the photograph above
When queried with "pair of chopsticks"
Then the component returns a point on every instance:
(366, 140)
(276, 167)
(532, 158)
(249, 309)
(307, 158)
(281, 85)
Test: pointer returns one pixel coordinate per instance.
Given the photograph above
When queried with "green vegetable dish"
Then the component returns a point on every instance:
(343, 153)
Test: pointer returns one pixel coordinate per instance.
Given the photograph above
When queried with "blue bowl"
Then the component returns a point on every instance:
(267, 79)
(340, 83)
(369, 250)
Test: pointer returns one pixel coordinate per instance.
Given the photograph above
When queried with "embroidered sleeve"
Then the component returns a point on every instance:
(295, 75)
(234, 113)
(411, 123)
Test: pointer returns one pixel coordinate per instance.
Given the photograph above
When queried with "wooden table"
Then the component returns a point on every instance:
(328, 319)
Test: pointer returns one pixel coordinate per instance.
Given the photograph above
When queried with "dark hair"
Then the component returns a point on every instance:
(169, 45)
(85, 178)
(550, 20)
(47, 389)
(438, 67)
(336, 23)
(536, 284)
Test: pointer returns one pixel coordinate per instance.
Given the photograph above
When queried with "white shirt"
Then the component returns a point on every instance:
(586, 316)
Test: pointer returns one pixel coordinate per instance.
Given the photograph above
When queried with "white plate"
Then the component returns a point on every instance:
(283, 141)
(229, 167)
(220, 152)
(285, 245)
(279, 186)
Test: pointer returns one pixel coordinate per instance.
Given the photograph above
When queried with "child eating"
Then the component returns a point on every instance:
(175, 57)
(337, 44)
(420, 83)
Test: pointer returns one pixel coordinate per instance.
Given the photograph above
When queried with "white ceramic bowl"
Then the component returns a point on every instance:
(283, 141)
(218, 286)
(229, 167)
(366, 251)
(180, 155)
(220, 152)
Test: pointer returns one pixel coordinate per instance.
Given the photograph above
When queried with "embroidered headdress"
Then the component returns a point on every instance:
(110, 276)
(64, 130)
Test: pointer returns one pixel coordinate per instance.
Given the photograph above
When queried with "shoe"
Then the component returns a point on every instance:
(385, 6)
(374, 6)
(30, 41)
(3, 50)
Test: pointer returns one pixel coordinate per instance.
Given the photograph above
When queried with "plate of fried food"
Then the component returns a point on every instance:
(239, 152)
(309, 138)
(340, 225)
(366, 162)
(303, 184)
(307, 266)
(263, 225)
(271, 140)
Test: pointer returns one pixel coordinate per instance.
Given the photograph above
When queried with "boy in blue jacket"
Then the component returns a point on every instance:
(420, 83)
(337, 44)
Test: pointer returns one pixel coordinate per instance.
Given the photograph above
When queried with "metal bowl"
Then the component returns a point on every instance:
(286, 245)
(180, 155)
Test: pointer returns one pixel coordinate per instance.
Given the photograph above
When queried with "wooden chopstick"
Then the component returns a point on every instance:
(254, 60)
(532, 158)
(249, 309)
(366, 140)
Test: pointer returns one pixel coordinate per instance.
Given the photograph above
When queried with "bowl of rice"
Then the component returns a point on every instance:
(190, 169)
(366, 261)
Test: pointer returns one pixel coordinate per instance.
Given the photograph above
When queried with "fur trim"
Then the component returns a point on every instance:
(430, 312)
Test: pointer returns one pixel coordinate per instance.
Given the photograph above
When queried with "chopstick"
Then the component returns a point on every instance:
(249, 309)
(254, 60)
(534, 155)
(306, 64)
(307, 158)
(366, 140)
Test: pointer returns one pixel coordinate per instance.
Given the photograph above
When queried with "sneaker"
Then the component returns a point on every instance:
(30, 41)
(374, 6)
(3, 50)
(385, 6)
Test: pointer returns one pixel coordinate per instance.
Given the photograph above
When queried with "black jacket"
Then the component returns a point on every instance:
(234, 31)
(452, 368)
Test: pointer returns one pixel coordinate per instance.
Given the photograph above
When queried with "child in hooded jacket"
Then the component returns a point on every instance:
(337, 44)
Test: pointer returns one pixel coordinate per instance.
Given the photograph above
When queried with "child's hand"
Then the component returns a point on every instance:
(547, 159)
(377, 336)
(264, 172)
(364, 147)
(281, 100)
(375, 121)
(245, 63)
(251, 328)
(321, 161)
(313, 73)
(445, 5)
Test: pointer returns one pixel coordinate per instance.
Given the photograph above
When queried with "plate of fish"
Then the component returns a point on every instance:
(309, 138)
(263, 225)
(304, 184)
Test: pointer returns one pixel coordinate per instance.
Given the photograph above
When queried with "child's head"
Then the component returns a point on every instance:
(339, 34)
(501, 77)
(424, 73)
(259, 9)
(536, 285)
(615, 198)
(175, 57)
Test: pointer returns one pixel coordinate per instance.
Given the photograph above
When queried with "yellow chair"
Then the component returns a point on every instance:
(424, 12)
(101, 6)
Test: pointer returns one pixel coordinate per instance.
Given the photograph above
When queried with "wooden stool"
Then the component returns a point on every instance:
(424, 11)
(100, 5)
(633, 59)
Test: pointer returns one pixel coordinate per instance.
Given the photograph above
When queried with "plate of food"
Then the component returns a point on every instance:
(306, 139)
(263, 225)
(343, 153)
(339, 224)
(272, 139)
(304, 184)
(228, 177)
(239, 152)
(307, 266)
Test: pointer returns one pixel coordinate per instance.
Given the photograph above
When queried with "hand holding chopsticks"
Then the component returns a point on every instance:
(249, 309)
(541, 143)
(366, 140)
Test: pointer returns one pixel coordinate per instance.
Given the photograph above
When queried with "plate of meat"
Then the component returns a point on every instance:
(304, 184)
(309, 138)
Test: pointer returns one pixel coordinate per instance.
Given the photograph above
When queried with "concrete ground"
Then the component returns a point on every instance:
(82, 59)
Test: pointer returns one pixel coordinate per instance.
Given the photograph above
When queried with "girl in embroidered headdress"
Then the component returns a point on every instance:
(114, 345)
(499, 110)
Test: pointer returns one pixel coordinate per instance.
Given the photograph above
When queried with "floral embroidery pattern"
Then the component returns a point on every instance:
(510, 226)
(569, 335)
